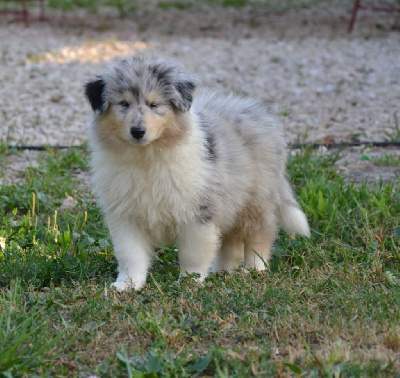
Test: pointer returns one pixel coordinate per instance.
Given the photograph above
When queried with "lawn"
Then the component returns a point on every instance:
(328, 306)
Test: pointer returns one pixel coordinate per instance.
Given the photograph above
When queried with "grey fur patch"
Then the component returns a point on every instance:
(205, 214)
(136, 93)
(161, 73)
(184, 101)
(210, 140)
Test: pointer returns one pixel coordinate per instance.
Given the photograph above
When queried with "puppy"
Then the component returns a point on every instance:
(199, 168)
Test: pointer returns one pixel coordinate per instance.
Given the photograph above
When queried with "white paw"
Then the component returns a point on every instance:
(197, 277)
(224, 268)
(122, 286)
(257, 264)
(126, 285)
(261, 266)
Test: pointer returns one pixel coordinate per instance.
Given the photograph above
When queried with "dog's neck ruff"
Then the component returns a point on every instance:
(152, 184)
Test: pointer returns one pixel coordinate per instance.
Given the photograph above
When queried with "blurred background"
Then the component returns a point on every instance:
(298, 57)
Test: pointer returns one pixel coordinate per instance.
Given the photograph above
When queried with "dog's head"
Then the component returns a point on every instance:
(140, 100)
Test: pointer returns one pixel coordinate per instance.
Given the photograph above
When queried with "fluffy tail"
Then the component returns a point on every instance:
(291, 217)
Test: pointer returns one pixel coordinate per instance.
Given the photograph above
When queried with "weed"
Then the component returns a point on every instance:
(396, 135)
(387, 160)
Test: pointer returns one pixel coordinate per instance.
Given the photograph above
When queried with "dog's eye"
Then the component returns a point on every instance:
(124, 103)
(153, 105)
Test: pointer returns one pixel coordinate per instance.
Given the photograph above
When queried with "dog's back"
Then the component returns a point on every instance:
(247, 157)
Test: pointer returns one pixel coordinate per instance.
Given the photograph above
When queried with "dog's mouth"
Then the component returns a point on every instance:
(139, 142)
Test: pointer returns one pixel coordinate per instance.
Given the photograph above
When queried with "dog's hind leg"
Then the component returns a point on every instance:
(198, 244)
(231, 253)
(133, 253)
(257, 248)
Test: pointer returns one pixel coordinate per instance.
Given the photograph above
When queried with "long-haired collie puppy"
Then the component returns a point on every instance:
(173, 163)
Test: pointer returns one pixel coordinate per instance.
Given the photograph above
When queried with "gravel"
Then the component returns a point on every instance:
(325, 84)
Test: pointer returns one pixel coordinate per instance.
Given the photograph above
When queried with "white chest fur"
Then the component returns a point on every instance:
(161, 188)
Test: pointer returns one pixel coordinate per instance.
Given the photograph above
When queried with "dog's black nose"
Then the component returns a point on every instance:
(137, 132)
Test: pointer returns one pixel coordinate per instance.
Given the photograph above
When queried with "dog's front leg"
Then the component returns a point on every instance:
(133, 252)
(198, 245)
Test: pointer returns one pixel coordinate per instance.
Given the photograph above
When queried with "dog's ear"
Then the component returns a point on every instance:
(183, 96)
(94, 91)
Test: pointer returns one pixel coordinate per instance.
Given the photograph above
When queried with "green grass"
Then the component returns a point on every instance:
(329, 305)
(387, 160)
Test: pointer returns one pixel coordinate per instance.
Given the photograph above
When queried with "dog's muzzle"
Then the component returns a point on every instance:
(137, 132)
